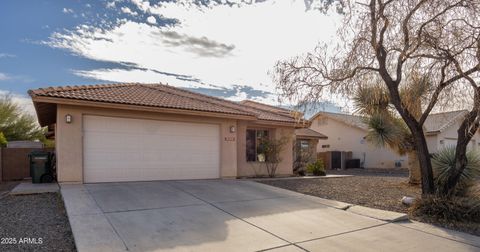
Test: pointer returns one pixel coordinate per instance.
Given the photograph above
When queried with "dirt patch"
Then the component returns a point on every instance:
(382, 192)
(35, 223)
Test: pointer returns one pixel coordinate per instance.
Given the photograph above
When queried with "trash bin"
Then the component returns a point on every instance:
(41, 167)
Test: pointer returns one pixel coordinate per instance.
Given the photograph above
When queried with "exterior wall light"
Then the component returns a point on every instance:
(68, 118)
(232, 129)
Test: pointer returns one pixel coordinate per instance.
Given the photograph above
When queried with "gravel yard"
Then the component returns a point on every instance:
(390, 172)
(38, 221)
(382, 192)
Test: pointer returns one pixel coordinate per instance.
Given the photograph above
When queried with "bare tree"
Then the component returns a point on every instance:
(273, 149)
(388, 41)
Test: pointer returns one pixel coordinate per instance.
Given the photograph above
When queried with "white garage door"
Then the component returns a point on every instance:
(120, 149)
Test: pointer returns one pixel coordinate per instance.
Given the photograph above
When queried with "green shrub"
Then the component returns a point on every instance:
(445, 210)
(444, 161)
(3, 140)
(317, 168)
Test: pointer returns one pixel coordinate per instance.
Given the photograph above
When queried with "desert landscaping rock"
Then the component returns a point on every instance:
(381, 192)
(34, 217)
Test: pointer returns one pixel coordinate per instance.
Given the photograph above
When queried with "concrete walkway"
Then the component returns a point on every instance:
(235, 215)
(28, 187)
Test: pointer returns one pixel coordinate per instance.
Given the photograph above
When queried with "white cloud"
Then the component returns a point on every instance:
(151, 20)
(110, 5)
(67, 10)
(4, 76)
(7, 55)
(220, 44)
(24, 102)
(127, 10)
(135, 75)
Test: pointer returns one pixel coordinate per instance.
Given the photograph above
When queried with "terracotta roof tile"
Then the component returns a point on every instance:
(270, 108)
(309, 133)
(157, 95)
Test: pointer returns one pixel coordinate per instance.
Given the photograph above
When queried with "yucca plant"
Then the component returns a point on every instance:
(385, 128)
(444, 161)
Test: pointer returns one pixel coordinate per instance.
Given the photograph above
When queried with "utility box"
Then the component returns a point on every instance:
(352, 163)
(41, 167)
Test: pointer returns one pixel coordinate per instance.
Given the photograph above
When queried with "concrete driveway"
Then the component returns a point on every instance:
(234, 215)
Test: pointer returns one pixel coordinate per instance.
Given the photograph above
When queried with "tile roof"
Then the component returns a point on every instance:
(354, 120)
(440, 121)
(309, 133)
(270, 108)
(435, 123)
(157, 95)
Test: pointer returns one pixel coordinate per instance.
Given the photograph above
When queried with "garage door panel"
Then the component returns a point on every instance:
(120, 149)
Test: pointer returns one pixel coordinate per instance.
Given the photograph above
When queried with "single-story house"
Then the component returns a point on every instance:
(441, 130)
(142, 132)
(346, 135)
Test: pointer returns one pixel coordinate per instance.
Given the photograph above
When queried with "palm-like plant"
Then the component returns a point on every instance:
(386, 129)
(444, 161)
(15, 123)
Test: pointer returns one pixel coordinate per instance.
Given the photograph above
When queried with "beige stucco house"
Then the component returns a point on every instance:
(441, 130)
(139, 132)
(346, 134)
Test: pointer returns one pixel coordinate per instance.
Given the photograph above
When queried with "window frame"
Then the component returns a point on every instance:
(256, 143)
(302, 146)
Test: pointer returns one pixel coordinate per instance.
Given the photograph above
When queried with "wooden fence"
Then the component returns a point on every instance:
(14, 163)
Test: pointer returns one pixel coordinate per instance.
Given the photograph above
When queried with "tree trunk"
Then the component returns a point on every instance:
(414, 176)
(467, 130)
(421, 147)
(425, 162)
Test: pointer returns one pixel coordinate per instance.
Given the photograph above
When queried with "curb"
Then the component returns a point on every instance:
(378, 214)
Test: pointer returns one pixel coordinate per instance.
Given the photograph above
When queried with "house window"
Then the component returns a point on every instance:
(255, 151)
(326, 146)
(304, 144)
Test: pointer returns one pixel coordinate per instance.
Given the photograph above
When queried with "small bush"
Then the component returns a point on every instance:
(448, 211)
(317, 168)
(3, 140)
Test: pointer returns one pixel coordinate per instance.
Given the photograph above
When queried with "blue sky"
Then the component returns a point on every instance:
(224, 48)
(27, 63)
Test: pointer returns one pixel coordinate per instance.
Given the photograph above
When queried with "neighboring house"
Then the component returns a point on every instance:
(441, 130)
(139, 132)
(346, 133)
